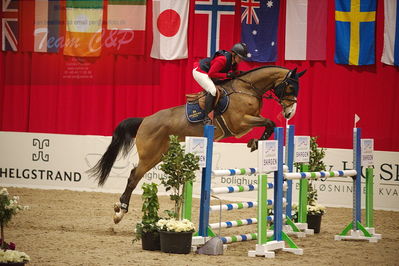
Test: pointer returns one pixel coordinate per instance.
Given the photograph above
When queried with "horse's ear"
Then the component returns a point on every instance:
(300, 74)
(293, 72)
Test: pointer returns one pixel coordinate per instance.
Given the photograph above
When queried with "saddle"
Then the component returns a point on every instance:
(196, 104)
(200, 97)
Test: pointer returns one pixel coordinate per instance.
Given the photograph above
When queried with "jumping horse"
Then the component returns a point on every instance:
(151, 133)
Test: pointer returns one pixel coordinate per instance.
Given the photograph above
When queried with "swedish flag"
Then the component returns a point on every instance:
(355, 32)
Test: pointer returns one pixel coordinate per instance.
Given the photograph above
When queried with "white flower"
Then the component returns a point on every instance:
(13, 256)
(316, 209)
(173, 225)
(4, 192)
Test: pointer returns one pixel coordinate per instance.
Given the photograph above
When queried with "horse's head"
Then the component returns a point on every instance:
(287, 92)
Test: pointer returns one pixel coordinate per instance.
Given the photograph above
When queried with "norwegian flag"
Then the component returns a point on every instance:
(213, 20)
(9, 25)
(249, 13)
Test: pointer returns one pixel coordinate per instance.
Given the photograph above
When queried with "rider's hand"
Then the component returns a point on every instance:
(231, 75)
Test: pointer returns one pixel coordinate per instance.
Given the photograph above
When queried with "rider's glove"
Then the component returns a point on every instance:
(231, 75)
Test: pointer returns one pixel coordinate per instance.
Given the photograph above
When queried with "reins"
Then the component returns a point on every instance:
(274, 92)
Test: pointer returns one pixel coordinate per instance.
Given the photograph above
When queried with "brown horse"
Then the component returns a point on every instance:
(151, 133)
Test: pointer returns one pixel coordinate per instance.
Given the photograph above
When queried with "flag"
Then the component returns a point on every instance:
(9, 26)
(84, 28)
(306, 30)
(213, 23)
(125, 32)
(40, 25)
(47, 26)
(357, 119)
(26, 20)
(170, 21)
(355, 32)
(390, 53)
(259, 25)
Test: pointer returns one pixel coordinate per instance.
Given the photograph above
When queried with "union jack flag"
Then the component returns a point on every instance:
(9, 25)
(249, 11)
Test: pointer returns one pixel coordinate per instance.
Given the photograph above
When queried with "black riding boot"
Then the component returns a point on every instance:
(209, 102)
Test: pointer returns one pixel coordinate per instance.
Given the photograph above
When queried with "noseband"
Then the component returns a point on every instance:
(280, 91)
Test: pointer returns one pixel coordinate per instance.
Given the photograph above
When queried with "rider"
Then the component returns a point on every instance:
(222, 65)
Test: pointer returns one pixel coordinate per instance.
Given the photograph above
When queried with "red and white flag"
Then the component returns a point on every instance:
(125, 33)
(306, 30)
(170, 20)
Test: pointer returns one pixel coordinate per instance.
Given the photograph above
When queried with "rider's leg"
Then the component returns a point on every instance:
(205, 82)
(209, 103)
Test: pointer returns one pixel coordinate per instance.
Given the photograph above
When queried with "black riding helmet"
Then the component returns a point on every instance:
(241, 50)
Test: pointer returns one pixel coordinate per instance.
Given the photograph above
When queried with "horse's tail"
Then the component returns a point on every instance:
(122, 139)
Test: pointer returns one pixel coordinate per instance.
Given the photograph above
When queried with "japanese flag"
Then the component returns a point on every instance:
(170, 20)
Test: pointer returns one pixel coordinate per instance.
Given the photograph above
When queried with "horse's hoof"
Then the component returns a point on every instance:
(118, 216)
(253, 144)
(117, 207)
(250, 143)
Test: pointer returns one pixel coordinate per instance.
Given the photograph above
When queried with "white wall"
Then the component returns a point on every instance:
(54, 161)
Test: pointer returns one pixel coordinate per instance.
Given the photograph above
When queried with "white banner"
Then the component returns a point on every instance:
(54, 161)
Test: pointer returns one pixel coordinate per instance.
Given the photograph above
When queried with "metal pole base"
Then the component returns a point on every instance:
(267, 250)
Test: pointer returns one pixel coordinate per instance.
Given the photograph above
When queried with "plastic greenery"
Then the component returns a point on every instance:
(150, 211)
(179, 168)
(316, 164)
(8, 208)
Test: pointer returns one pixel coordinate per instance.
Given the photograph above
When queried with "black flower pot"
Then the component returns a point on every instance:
(176, 242)
(151, 241)
(314, 222)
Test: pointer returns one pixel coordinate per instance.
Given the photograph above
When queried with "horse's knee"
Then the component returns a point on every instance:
(270, 124)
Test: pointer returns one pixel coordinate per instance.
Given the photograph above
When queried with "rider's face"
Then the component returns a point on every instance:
(237, 59)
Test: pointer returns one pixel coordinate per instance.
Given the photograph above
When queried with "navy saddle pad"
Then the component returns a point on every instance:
(195, 114)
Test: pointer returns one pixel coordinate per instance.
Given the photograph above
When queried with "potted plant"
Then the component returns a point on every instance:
(179, 169)
(8, 208)
(147, 230)
(314, 210)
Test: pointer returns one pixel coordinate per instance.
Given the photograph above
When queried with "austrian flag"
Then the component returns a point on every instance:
(306, 30)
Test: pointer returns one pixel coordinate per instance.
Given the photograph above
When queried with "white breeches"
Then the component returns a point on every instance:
(204, 81)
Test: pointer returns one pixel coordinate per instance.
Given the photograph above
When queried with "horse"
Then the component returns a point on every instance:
(151, 134)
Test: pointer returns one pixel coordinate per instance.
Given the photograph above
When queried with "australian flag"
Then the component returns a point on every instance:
(259, 24)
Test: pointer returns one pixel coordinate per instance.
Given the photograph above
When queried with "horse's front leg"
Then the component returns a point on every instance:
(259, 121)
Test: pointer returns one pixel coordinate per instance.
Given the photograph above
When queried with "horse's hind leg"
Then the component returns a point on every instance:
(148, 160)
(122, 207)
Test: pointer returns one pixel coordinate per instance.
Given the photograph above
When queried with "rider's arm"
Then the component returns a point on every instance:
(217, 65)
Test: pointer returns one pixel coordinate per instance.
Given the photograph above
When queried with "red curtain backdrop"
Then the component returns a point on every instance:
(53, 93)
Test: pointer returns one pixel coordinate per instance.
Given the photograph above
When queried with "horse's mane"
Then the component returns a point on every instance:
(257, 68)
(221, 82)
